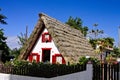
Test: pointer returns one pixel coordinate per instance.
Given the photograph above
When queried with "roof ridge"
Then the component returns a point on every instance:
(52, 19)
(48, 17)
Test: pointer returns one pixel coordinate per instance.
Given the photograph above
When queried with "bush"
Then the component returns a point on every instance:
(44, 70)
(83, 60)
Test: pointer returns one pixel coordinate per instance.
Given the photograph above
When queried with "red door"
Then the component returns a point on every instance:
(46, 53)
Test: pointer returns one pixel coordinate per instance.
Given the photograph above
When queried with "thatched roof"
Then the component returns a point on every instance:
(70, 42)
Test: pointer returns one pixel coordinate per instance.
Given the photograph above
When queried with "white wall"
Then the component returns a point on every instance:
(84, 75)
(39, 45)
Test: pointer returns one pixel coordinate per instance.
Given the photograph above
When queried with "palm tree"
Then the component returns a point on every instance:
(23, 37)
(96, 31)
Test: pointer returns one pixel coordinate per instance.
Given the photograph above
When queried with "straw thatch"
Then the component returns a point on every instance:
(70, 42)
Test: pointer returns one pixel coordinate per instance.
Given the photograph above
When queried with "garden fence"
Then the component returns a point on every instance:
(43, 70)
(106, 72)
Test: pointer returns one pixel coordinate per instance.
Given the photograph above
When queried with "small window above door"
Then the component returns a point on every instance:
(46, 37)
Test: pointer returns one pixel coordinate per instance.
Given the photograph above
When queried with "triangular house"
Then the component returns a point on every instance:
(55, 42)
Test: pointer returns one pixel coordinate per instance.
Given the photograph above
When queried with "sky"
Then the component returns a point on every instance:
(22, 13)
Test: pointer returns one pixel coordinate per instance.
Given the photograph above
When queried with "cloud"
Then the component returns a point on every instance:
(12, 42)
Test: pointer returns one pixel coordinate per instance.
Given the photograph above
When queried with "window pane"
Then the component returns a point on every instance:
(59, 60)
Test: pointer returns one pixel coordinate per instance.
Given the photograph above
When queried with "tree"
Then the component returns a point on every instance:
(2, 18)
(102, 43)
(23, 37)
(15, 52)
(110, 41)
(77, 24)
(22, 40)
(116, 51)
(3, 46)
(95, 32)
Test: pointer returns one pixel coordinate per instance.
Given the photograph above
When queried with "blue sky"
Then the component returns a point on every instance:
(22, 13)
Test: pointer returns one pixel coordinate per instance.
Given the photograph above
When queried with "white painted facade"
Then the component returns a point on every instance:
(39, 45)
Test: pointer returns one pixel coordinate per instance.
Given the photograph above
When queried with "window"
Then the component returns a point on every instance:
(59, 59)
(34, 57)
(46, 37)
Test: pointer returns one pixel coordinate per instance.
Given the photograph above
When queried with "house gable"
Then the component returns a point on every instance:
(70, 42)
(38, 51)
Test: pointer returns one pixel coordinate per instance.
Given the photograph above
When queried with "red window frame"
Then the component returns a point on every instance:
(46, 39)
(55, 56)
(34, 54)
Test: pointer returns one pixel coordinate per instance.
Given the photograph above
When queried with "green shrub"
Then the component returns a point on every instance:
(83, 60)
(44, 70)
(95, 61)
